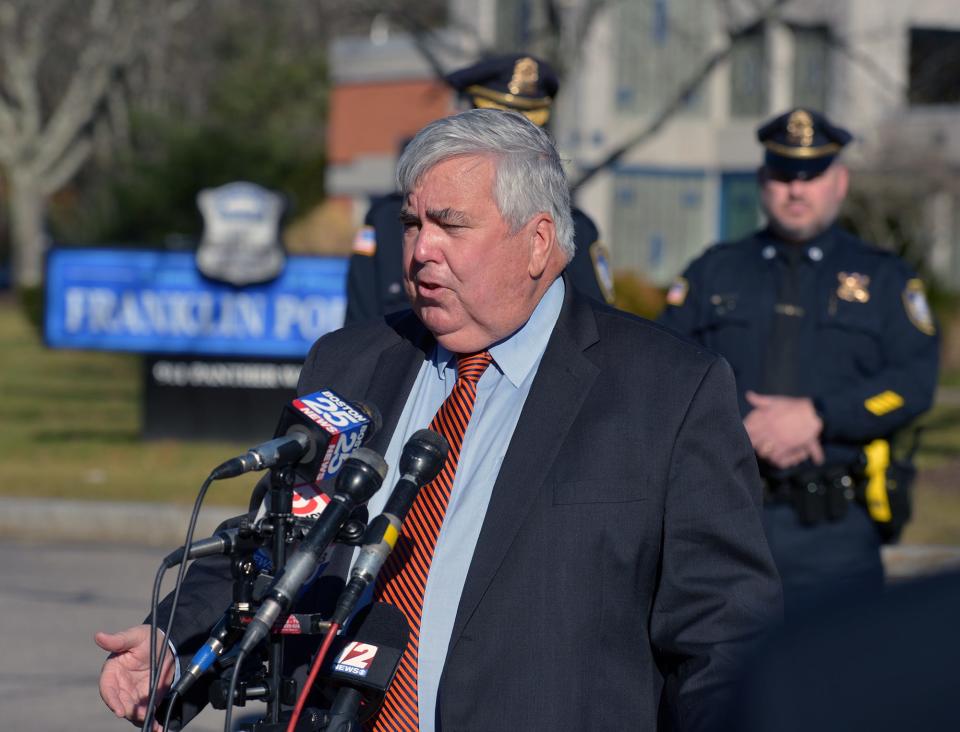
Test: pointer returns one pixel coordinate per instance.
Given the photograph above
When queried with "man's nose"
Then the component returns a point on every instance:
(426, 244)
(796, 187)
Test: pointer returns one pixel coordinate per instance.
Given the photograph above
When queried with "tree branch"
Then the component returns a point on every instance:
(112, 39)
(679, 99)
(53, 179)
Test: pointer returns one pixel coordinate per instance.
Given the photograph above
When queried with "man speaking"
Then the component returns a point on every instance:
(592, 555)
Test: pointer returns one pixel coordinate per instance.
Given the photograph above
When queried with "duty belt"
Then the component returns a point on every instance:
(819, 495)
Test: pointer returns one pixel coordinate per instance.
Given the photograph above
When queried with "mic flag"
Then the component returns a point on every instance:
(316, 432)
(336, 428)
(362, 664)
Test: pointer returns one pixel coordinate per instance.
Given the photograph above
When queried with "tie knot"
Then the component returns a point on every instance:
(470, 366)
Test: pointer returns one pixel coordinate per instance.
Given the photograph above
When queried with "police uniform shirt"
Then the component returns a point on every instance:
(851, 319)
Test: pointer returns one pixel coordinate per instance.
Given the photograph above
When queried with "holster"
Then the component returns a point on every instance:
(819, 495)
(888, 485)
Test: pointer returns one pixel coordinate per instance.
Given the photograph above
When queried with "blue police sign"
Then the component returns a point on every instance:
(158, 302)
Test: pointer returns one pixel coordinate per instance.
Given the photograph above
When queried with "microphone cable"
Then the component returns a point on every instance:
(312, 676)
(167, 717)
(234, 675)
(155, 662)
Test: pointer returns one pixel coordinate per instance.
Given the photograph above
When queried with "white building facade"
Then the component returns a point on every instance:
(886, 69)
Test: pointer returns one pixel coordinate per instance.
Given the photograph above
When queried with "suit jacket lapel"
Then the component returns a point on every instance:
(563, 381)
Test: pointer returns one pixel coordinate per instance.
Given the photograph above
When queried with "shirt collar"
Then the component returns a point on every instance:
(517, 354)
(814, 250)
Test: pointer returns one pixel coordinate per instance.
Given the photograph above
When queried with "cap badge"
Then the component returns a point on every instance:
(800, 128)
(853, 287)
(526, 74)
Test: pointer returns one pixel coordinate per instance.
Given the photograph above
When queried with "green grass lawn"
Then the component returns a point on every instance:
(70, 427)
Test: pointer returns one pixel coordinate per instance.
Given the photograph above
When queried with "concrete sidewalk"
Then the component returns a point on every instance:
(145, 524)
(165, 525)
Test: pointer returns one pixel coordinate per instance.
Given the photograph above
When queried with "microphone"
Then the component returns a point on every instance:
(222, 635)
(226, 541)
(360, 478)
(317, 431)
(421, 461)
(364, 663)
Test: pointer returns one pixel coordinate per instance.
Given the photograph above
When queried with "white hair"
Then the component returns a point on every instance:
(528, 177)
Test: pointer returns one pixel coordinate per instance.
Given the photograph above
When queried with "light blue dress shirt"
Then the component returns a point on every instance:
(501, 393)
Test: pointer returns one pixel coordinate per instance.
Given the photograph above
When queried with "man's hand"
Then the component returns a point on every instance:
(125, 677)
(784, 430)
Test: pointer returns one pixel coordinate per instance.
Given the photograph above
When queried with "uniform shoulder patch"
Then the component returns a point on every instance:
(365, 241)
(677, 292)
(917, 307)
(600, 256)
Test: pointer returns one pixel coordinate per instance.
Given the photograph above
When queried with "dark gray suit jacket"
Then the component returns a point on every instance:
(623, 543)
(622, 552)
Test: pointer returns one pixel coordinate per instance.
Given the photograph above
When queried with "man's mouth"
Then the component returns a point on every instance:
(428, 288)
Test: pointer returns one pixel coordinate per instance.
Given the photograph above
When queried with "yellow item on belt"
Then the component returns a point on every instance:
(878, 460)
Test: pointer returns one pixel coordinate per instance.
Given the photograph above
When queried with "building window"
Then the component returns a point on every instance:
(661, 46)
(659, 222)
(811, 54)
(934, 66)
(748, 74)
(739, 204)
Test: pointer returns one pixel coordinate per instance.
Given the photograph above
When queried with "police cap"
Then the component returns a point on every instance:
(801, 143)
(519, 82)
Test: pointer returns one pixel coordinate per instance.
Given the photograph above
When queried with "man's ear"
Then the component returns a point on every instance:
(843, 180)
(543, 244)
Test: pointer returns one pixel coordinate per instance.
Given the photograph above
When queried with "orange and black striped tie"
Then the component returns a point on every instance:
(404, 575)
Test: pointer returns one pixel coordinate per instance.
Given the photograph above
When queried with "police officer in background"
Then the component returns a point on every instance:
(517, 82)
(834, 350)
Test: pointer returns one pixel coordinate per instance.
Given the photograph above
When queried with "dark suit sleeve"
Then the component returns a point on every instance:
(904, 388)
(718, 588)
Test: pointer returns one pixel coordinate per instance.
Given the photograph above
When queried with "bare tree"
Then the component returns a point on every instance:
(64, 74)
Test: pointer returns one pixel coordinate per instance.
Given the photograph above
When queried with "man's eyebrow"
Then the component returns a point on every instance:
(408, 216)
(448, 216)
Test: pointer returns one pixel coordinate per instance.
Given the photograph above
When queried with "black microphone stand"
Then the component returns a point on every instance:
(267, 684)
(280, 516)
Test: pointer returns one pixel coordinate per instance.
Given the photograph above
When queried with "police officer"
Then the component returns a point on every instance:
(834, 349)
(517, 82)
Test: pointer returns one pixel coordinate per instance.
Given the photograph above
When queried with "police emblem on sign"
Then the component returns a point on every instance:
(241, 234)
